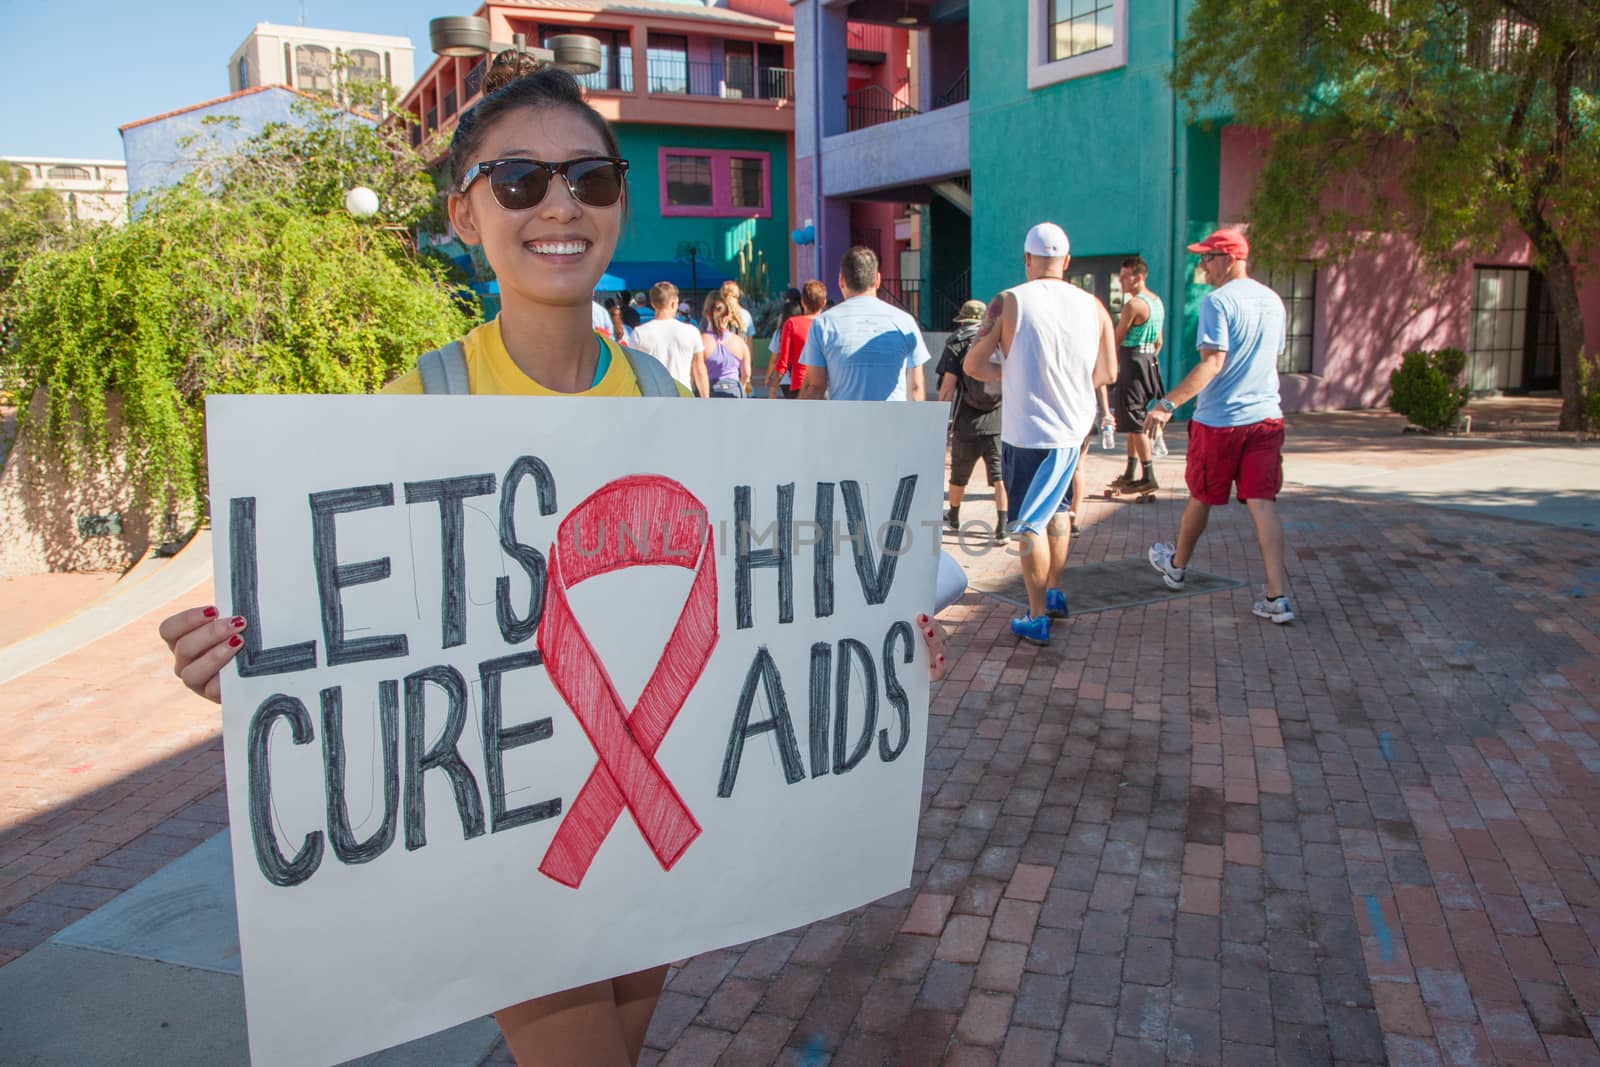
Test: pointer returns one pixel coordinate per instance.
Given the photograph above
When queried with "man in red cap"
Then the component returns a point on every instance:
(1236, 435)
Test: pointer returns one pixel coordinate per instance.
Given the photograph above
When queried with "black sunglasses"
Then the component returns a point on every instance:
(518, 184)
(1207, 257)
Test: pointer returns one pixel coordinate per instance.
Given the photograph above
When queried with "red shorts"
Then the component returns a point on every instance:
(1218, 457)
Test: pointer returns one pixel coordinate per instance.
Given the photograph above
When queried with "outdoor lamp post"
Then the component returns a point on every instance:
(468, 35)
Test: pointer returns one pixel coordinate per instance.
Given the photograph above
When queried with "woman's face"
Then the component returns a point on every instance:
(555, 251)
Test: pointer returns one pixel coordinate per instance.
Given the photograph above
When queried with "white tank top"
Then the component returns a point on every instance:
(1048, 378)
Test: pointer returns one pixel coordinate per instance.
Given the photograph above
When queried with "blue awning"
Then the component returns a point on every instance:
(639, 275)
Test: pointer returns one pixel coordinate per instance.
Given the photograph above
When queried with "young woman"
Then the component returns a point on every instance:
(537, 181)
(785, 373)
(727, 355)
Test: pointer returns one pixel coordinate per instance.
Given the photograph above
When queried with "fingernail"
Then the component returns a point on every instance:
(923, 619)
(941, 657)
(237, 622)
(928, 632)
(235, 641)
(210, 613)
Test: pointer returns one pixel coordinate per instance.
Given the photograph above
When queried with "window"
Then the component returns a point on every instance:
(616, 57)
(69, 174)
(1499, 328)
(745, 176)
(667, 60)
(313, 68)
(365, 66)
(688, 181)
(1079, 26)
(716, 183)
(1296, 285)
(243, 71)
(1075, 38)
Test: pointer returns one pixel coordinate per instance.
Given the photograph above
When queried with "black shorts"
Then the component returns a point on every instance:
(1138, 383)
(965, 453)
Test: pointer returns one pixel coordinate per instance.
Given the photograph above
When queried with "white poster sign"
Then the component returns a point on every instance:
(539, 692)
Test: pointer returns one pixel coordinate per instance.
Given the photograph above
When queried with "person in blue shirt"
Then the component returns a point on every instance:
(1236, 435)
(862, 348)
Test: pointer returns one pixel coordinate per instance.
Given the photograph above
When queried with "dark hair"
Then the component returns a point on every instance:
(714, 297)
(791, 303)
(814, 296)
(514, 82)
(857, 268)
(1137, 265)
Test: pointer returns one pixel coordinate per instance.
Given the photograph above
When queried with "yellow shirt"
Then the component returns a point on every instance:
(490, 371)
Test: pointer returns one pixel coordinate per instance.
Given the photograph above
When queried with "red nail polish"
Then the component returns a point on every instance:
(238, 622)
(928, 632)
(235, 641)
(210, 613)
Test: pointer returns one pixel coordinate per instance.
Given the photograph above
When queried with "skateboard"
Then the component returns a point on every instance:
(1142, 496)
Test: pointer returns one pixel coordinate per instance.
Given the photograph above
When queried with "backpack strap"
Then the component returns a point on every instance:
(652, 376)
(444, 370)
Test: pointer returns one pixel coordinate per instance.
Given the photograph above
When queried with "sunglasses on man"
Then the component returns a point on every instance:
(519, 184)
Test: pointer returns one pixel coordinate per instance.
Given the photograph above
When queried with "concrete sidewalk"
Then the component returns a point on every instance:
(1178, 834)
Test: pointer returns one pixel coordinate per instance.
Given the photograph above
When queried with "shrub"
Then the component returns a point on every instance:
(1426, 388)
(1589, 389)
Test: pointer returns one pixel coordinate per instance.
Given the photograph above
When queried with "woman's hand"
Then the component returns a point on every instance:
(933, 637)
(202, 644)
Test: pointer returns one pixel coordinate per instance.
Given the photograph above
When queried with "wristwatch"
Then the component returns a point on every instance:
(1164, 404)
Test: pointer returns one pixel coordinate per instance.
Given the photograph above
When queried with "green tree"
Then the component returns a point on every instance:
(1453, 121)
(316, 158)
(32, 220)
(215, 295)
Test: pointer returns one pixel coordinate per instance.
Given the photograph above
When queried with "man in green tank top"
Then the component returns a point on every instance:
(1139, 339)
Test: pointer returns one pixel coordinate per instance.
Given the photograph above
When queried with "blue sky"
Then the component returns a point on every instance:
(74, 72)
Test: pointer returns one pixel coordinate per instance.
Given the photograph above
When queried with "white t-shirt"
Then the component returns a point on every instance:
(1048, 373)
(599, 317)
(674, 343)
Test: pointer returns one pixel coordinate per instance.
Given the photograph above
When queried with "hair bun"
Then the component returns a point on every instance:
(508, 67)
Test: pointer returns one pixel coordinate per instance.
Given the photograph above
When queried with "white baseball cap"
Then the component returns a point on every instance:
(1047, 240)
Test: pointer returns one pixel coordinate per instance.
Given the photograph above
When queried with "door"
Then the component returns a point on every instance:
(1542, 369)
(1100, 275)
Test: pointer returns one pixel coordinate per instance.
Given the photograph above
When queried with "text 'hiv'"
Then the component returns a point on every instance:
(840, 673)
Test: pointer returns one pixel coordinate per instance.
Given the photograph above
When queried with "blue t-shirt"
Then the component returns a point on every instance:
(866, 346)
(1245, 319)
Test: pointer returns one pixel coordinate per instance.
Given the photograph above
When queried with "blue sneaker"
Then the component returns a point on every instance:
(1055, 603)
(1034, 631)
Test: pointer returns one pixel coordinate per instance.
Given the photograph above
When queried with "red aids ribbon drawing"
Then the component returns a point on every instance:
(639, 521)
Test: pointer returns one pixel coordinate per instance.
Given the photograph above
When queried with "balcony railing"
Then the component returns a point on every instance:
(736, 79)
(866, 37)
(873, 105)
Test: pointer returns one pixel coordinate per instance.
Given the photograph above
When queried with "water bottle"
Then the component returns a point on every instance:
(1108, 436)
(1159, 449)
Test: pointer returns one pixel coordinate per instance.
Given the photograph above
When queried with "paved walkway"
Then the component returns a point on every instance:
(1178, 834)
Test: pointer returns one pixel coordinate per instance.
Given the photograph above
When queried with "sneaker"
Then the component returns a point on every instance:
(1275, 608)
(1001, 534)
(1055, 603)
(952, 520)
(1142, 485)
(1161, 554)
(1034, 631)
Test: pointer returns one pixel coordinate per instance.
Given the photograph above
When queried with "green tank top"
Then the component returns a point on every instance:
(1145, 335)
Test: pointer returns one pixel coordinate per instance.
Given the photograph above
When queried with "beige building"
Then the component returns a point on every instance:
(95, 190)
(303, 58)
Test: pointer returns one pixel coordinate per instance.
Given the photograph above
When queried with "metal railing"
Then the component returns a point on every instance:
(607, 80)
(904, 293)
(737, 79)
(948, 299)
(957, 93)
(865, 37)
(873, 105)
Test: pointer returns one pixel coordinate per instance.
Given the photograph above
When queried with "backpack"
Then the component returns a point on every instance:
(975, 394)
(444, 371)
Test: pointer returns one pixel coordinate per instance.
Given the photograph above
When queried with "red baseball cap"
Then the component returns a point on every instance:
(1230, 242)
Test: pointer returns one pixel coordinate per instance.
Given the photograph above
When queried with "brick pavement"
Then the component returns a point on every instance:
(1178, 834)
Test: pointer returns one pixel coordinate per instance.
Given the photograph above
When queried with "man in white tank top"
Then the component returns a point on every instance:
(1052, 346)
